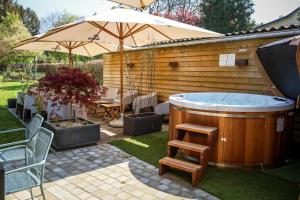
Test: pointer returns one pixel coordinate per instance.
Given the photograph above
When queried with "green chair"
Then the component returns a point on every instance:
(32, 174)
(8, 154)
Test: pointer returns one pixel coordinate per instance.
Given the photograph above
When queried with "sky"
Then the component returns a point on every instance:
(265, 10)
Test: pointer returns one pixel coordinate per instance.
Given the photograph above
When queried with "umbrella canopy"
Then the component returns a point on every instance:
(89, 49)
(125, 27)
(141, 4)
(135, 28)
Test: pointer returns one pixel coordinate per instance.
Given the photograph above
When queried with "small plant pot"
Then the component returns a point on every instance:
(143, 123)
(71, 137)
(12, 103)
(44, 114)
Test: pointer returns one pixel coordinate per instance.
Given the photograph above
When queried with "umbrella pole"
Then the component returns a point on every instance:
(121, 67)
(70, 59)
(119, 122)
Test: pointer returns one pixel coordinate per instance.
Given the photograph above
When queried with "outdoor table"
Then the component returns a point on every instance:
(111, 110)
(96, 104)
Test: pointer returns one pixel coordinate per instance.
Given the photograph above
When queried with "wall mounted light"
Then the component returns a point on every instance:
(130, 64)
(173, 64)
(241, 62)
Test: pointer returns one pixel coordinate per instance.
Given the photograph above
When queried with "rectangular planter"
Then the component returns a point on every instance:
(142, 124)
(65, 138)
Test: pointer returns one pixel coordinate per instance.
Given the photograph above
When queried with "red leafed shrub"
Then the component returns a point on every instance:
(183, 16)
(69, 85)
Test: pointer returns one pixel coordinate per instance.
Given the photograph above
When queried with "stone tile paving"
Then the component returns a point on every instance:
(108, 173)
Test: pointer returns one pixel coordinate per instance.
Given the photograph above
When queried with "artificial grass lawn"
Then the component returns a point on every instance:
(227, 184)
(7, 120)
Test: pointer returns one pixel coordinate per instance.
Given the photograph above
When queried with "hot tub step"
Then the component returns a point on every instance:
(196, 128)
(188, 146)
(195, 170)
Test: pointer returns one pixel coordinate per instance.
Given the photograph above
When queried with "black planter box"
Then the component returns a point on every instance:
(12, 103)
(142, 124)
(65, 138)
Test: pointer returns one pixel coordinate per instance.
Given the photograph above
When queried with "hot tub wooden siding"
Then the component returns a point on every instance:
(198, 68)
(241, 141)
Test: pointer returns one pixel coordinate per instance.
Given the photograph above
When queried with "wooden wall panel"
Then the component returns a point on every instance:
(198, 69)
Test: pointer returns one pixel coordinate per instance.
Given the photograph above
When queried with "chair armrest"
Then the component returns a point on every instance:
(25, 167)
(12, 144)
(14, 147)
(13, 130)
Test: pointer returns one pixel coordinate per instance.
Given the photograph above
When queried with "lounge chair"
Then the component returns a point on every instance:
(110, 94)
(29, 105)
(32, 174)
(128, 98)
(144, 101)
(19, 154)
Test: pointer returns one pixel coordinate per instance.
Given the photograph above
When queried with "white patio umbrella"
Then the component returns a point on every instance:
(89, 49)
(141, 4)
(125, 27)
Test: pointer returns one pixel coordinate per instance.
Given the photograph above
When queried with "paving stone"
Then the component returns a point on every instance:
(106, 172)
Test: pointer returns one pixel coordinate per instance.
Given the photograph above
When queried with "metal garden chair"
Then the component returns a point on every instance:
(12, 154)
(32, 174)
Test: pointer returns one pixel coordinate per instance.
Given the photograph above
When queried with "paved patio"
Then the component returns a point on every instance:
(108, 173)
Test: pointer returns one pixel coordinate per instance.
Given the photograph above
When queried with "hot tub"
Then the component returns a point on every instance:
(252, 129)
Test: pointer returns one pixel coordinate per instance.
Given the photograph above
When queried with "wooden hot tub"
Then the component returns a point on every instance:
(253, 129)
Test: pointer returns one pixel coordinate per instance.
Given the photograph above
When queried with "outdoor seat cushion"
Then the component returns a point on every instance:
(19, 181)
(12, 155)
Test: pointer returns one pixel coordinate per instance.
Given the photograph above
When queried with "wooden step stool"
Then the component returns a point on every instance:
(197, 170)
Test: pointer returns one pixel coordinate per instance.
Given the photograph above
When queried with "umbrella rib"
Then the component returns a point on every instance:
(80, 44)
(87, 51)
(131, 35)
(137, 30)
(131, 29)
(160, 32)
(99, 32)
(74, 44)
(142, 4)
(103, 47)
(62, 44)
(104, 29)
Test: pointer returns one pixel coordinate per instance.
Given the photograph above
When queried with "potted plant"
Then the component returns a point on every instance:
(67, 87)
(139, 123)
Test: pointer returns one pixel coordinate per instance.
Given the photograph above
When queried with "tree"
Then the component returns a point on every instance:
(69, 85)
(28, 16)
(12, 30)
(181, 16)
(175, 6)
(56, 19)
(227, 15)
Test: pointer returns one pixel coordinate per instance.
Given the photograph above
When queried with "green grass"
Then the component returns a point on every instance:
(7, 120)
(9, 90)
(227, 184)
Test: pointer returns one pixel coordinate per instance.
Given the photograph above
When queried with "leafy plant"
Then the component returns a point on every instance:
(69, 85)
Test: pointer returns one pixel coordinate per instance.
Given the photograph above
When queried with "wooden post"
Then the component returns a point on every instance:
(2, 182)
(298, 58)
(70, 58)
(121, 65)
